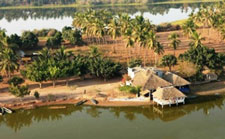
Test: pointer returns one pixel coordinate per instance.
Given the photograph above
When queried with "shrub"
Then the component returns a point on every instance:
(1, 78)
(104, 68)
(167, 27)
(135, 63)
(74, 36)
(52, 32)
(16, 81)
(130, 89)
(36, 95)
(19, 91)
(55, 41)
(187, 69)
(29, 40)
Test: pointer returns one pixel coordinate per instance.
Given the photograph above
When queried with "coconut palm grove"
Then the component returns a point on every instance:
(93, 61)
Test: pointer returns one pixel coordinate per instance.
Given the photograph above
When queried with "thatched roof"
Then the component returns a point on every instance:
(168, 93)
(175, 79)
(148, 80)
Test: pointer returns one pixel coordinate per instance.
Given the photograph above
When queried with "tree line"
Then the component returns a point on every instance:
(96, 26)
(57, 2)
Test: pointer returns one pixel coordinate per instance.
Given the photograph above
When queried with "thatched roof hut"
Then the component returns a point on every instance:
(149, 81)
(175, 79)
(168, 93)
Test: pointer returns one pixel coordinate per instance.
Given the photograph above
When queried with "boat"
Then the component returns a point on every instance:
(2, 112)
(81, 102)
(7, 110)
(94, 101)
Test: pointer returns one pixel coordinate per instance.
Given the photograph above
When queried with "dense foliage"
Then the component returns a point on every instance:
(168, 61)
(204, 57)
(55, 41)
(29, 40)
(74, 36)
(19, 91)
(54, 65)
(136, 62)
(15, 81)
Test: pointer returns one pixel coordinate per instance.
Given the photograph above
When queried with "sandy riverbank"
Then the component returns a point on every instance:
(98, 90)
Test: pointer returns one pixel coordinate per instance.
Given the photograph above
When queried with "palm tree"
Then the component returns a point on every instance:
(158, 50)
(189, 27)
(62, 54)
(45, 54)
(175, 42)
(196, 40)
(9, 61)
(129, 40)
(151, 42)
(114, 30)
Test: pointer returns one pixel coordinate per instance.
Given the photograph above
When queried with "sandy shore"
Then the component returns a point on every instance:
(99, 90)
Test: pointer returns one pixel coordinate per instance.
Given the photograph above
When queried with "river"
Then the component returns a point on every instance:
(18, 20)
(200, 118)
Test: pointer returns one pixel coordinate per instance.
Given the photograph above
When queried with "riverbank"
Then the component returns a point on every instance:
(54, 96)
(106, 5)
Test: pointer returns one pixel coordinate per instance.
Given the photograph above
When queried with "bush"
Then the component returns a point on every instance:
(104, 68)
(55, 41)
(130, 89)
(19, 91)
(74, 36)
(29, 40)
(14, 39)
(36, 95)
(135, 63)
(187, 69)
(16, 81)
(1, 78)
(52, 32)
(167, 27)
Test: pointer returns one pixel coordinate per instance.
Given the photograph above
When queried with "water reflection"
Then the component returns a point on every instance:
(25, 14)
(24, 118)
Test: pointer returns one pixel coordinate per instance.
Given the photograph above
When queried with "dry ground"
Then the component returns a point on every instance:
(94, 86)
(117, 50)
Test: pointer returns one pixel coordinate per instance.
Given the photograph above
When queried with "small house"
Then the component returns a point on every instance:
(168, 96)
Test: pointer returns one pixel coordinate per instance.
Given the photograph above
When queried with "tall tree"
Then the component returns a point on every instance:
(174, 41)
(8, 62)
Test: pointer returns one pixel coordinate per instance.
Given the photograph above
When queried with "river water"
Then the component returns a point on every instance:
(202, 117)
(18, 20)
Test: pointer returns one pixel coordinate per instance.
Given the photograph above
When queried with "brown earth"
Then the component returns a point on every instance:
(62, 94)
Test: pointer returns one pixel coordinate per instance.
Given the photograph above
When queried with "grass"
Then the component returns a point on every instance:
(130, 89)
(105, 5)
(178, 22)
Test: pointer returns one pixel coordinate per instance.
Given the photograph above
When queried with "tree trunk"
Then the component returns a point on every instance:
(145, 58)
(170, 68)
(40, 85)
(53, 83)
(67, 82)
(155, 59)
(9, 74)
